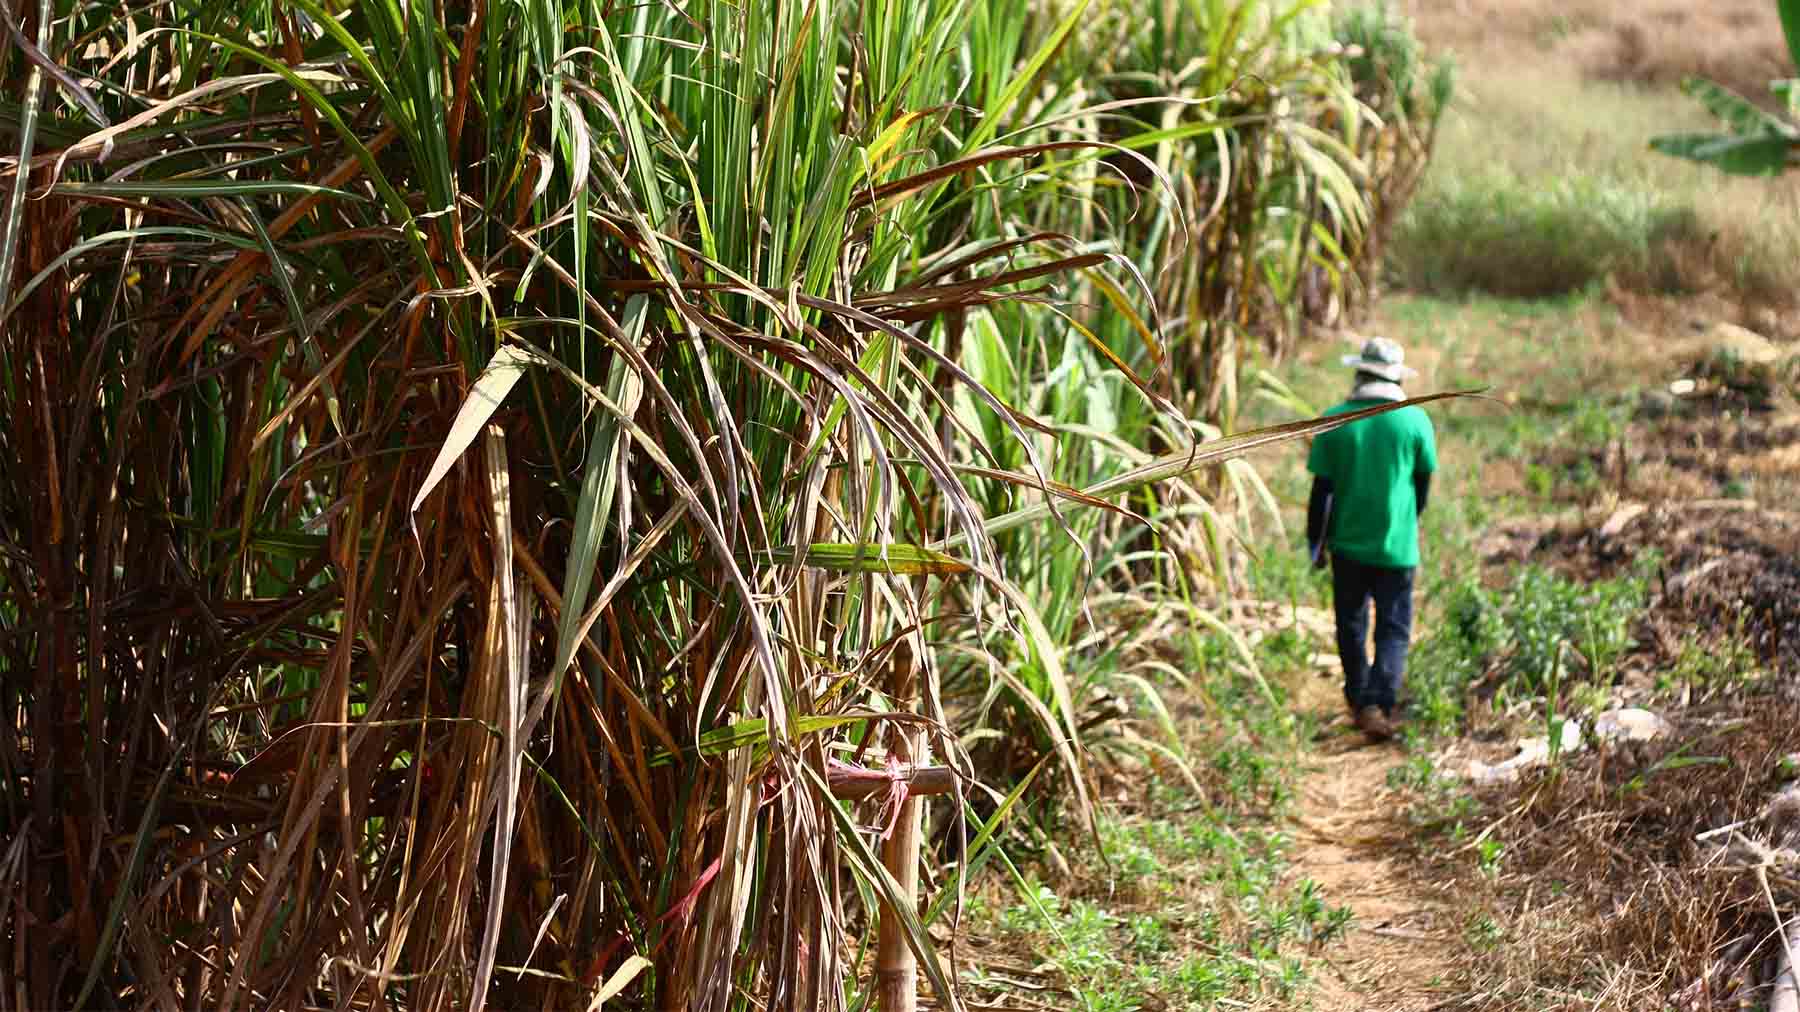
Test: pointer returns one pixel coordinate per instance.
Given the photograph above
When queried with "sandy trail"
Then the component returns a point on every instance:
(1351, 839)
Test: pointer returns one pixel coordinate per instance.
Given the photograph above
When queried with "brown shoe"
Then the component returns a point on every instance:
(1372, 722)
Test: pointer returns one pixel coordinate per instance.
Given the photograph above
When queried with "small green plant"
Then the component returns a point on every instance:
(1539, 481)
(1284, 650)
(1149, 935)
(1487, 856)
(1704, 669)
(1129, 852)
(1595, 421)
(1483, 933)
(1553, 721)
(1038, 903)
(1252, 778)
(1085, 931)
(1678, 759)
(1439, 804)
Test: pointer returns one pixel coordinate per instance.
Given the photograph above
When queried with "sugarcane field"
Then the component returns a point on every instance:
(899, 505)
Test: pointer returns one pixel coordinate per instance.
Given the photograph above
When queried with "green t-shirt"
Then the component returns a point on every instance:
(1371, 463)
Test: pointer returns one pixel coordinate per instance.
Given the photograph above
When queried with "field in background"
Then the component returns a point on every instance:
(1735, 42)
(1543, 181)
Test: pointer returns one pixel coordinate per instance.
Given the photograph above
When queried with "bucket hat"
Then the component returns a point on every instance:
(1382, 357)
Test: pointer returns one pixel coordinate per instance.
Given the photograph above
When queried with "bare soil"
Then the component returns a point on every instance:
(1352, 839)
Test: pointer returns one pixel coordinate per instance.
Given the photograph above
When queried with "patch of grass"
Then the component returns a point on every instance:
(1221, 923)
(1285, 650)
(1253, 779)
(1284, 572)
(1252, 740)
(1498, 233)
(1523, 639)
(1196, 902)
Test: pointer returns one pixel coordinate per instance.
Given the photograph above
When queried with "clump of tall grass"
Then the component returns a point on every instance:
(1497, 233)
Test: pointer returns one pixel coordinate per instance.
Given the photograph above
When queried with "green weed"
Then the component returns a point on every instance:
(1439, 803)
(1526, 634)
(1288, 575)
(1483, 933)
(1487, 856)
(1252, 778)
(1704, 669)
(1285, 650)
(1216, 918)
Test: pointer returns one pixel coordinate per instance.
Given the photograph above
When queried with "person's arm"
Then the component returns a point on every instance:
(1318, 518)
(1425, 464)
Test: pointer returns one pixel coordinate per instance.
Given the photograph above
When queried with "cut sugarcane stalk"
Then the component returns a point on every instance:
(896, 967)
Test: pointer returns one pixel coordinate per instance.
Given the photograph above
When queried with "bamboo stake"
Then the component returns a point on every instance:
(896, 968)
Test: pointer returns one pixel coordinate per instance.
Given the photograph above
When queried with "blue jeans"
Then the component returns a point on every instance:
(1353, 586)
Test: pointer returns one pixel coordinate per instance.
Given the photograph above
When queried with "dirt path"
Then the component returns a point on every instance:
(1351, 839)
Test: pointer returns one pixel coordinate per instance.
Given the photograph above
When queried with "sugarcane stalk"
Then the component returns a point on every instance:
(896, 967)
(854, 784)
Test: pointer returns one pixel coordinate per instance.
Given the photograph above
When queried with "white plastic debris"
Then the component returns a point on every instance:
(1629, 724)
(1532, 752)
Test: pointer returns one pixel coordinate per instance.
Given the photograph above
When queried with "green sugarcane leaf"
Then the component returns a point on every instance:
(753, 732)
(122, 235)
(981, 848)
(599, 485)
(1788, 90)
(841, 557)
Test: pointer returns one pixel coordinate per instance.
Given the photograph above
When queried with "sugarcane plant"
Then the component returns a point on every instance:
(484, 487)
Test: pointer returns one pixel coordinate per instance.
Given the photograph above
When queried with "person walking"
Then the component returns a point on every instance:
(1371, 481)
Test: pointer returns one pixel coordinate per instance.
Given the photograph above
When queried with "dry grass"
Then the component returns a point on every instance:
(1600, 859)
(1736, 42)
